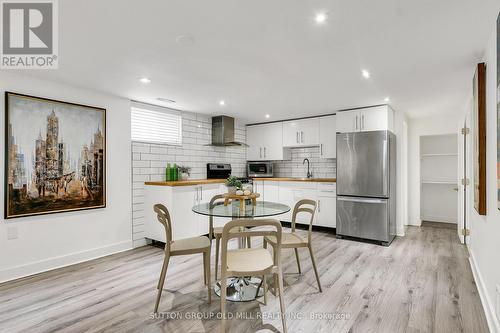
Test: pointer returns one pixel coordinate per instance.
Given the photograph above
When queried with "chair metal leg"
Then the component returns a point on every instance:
(223, 289)
(249, 243)
(281, 296)
(206, 255)
(314, 266)
(217, 247)
(297, 257)
(161, 282)
(265, 243)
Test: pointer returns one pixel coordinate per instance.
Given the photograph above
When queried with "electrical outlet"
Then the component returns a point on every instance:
(12, 233)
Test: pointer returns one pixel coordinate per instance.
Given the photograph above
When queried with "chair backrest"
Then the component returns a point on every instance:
(306, 206)
(229, 232)
(164, 217)
(213, 202)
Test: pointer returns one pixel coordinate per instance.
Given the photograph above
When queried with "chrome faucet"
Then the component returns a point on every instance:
(309, 174)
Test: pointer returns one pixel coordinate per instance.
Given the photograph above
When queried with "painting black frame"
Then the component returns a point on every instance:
(6, 156)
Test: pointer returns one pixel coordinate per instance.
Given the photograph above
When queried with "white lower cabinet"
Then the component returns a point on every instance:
(323, 193)
(179, 201)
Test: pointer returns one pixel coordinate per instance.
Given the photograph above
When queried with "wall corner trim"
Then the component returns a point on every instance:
(488, 306)
(49, 264)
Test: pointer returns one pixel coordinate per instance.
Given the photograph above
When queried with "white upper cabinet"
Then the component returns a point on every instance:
(328, 137)
(265, 142)
(376, 118)
(301, 133)
(348, 121)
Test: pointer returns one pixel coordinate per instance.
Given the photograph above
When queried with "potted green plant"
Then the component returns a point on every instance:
(184, 171)
(233, 184)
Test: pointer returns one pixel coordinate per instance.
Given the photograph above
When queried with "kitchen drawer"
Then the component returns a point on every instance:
(327, 188)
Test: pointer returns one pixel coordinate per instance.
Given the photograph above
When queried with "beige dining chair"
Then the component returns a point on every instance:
(216, 232)
(292, 240)
(251, 261)
(181, 247)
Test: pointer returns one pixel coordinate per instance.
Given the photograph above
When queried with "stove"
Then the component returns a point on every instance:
(223, 171)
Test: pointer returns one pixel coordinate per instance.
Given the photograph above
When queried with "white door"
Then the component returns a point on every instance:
(309, 132)
(273, 141)
(286, 197)
(255, 137)
(348, 121)
(291, 133)
(185, 223)
(326, 213)
(374, 119)
(328, 137)
(206, 193)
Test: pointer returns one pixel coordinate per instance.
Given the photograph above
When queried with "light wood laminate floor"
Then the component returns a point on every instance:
(421, 283)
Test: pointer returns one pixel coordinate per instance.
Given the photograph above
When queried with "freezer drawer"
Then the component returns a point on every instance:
(364, 218)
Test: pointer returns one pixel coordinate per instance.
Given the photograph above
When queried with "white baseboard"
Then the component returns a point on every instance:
(488, 306)
(32, 268)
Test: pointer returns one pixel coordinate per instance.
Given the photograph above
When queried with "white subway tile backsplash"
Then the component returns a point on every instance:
(320, 168)
(150, 160)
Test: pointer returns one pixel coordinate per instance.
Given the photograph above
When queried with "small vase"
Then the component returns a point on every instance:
(231, 189)
(184, 176)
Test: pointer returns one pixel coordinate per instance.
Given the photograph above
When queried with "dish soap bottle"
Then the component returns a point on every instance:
(175, 172)
(168, 173)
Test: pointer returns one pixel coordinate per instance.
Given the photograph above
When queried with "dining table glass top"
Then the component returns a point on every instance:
(232, 210)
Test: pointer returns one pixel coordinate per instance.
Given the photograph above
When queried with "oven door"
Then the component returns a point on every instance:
(259, 169)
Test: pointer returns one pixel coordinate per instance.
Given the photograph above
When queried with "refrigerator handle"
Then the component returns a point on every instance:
(352, 199)
(384, 167)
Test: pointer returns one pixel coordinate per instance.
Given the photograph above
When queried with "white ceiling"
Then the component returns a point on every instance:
(270, 57)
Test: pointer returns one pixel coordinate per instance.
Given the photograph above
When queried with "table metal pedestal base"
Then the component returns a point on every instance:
(241, 289)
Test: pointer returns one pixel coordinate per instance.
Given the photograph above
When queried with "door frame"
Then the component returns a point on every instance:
(465, 169)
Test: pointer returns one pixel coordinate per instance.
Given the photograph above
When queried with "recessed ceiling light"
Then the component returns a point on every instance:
(320, 18)
(145, 80)
(365, 74)
(166, 100)
(268, 116)
(222, 102)
(387, 99)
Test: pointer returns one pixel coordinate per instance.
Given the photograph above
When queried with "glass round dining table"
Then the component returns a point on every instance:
(247, 288)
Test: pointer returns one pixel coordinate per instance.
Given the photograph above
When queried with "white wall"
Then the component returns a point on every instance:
(50, 241)
(150, 160)
(418, 127)
(484, 241)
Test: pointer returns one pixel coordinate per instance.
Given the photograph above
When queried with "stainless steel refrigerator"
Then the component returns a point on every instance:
(366, 185)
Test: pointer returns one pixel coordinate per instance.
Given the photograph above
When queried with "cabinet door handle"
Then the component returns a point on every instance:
(363, 122)
(264, 152)
(297, 137)
(260, 152)
(201, 193)
(319, 206)
(302, 136)
(321, 149)
(356, 123)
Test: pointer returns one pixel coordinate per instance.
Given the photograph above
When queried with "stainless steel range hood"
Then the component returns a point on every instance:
(223, 132)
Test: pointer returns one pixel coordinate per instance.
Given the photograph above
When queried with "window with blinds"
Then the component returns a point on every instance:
(156, 125)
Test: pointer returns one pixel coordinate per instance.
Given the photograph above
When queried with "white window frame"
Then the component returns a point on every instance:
(153, 110)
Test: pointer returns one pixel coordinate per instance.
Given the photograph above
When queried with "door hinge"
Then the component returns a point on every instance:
(465, 232)
(465, 130)
(465, 181)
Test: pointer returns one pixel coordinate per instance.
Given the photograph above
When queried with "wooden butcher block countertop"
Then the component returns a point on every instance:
(189, 182)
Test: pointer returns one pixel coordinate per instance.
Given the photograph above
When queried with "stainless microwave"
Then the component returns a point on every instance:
(259, 169)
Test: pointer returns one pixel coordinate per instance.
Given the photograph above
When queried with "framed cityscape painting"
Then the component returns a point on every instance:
(55, 156)
(479, 135)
